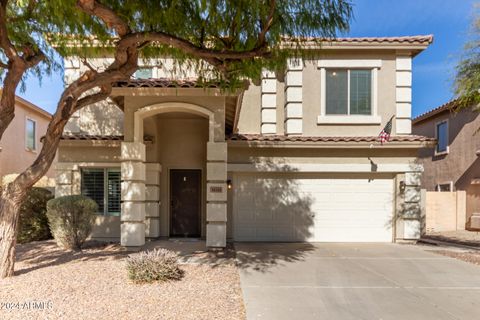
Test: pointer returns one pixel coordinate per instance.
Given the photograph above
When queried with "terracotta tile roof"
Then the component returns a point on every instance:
(424, 39)
(165, 83)
(403, 40)
(281, 138)
(80, 136)
(446, 106)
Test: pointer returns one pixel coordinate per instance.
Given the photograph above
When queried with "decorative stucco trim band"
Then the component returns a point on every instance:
(133, 194)
(216, 194)
(403, 93)
(294, 97)
(269, 103)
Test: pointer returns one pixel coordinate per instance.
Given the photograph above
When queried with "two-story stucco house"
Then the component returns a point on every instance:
(454, 164)
(294, 157)
(21, 141)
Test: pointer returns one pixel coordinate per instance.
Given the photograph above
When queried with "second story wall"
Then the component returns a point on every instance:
(16, 154)
(295, 102)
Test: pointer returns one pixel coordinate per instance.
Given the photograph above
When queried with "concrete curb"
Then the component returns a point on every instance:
(447, 243)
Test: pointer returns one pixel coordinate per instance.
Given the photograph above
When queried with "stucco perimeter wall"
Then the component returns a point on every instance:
(301, 107)
(72, 157)
(461, 165)
(445, 211)
(399, 163)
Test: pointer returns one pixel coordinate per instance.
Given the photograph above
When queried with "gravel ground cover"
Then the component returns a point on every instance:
(51, 283)
(468, 256)
(465, 237)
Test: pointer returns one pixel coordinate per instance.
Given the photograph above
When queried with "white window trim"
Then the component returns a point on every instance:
(450, 183)
(441, 153)
(374, 118)
(35, 143)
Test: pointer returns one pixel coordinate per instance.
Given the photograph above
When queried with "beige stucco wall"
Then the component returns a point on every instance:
(461, 164)
(14, 157)
(250, 115)
(445, 211)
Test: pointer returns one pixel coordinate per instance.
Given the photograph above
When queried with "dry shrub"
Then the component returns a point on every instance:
(154, 265)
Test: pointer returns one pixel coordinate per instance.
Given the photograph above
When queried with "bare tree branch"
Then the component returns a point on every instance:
(266, 25)
(108, 16)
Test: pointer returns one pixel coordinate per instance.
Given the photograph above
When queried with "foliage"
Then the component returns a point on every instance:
(467, 81)
(33, 222)
(156, 265)
(71, 219)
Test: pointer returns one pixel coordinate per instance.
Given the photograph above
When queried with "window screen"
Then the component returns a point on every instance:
(336, 86)
(442, 137)
(144, 73)
(360, 92)
(113, 192)
(93, 186)
(30, 135)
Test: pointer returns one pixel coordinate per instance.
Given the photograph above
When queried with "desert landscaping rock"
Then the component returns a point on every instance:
(93, 284)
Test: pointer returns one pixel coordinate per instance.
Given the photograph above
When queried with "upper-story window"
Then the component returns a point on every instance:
(31, 134)
(348, 92)
(442, 137)
(144, 73)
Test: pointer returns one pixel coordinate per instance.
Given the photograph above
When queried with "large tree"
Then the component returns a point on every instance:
(467, 80)
(232, 39)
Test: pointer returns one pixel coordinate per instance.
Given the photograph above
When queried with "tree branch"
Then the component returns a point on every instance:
(267, 25)
(108, 16)
(5, 43)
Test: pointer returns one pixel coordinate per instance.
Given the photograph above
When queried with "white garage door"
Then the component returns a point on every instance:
(303, 207)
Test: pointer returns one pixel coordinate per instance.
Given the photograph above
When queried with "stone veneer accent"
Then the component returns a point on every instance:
(269, 103)
(133, 194)
(403, 76)
(216, 194)
(294, 97)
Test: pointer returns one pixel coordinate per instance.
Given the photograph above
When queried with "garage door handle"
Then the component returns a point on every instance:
(312, 215)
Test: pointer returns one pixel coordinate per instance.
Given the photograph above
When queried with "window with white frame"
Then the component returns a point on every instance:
(31, 134)
(348, 92)
(442, 137)
(444, 187)
(144, 73)
(103, 186)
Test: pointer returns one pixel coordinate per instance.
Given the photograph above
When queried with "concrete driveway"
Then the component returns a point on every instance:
(355, 281)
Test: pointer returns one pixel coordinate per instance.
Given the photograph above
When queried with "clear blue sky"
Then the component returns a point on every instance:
(433, 70)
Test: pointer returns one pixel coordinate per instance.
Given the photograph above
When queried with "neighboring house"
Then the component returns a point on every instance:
(21, 142)
(293, 158)
(454, 163)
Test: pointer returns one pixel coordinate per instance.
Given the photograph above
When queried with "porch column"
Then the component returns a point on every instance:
(216, 194)
(133, 194)
(152, 200)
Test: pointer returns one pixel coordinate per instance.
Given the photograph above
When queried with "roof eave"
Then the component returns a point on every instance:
(331, 145)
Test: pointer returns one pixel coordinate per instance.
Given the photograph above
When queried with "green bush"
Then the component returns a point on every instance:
(71, 219)
(33, 222)
(155, 265)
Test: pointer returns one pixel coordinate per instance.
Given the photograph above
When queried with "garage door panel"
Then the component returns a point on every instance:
(305, 209)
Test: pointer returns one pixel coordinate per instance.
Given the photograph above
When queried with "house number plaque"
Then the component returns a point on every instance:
(216, 189)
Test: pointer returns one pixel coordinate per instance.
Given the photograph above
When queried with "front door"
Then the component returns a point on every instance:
(185, 203)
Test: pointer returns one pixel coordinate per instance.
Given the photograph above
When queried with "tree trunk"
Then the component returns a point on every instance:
(10, 201)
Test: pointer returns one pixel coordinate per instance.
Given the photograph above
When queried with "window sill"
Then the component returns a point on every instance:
(442, 153)
(349, 120)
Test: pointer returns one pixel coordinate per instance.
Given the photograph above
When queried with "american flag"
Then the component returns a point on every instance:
(384, 136)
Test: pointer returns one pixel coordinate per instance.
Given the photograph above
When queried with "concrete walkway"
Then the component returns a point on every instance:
(355, 281)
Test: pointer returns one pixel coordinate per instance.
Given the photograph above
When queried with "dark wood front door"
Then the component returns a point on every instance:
(185, 203)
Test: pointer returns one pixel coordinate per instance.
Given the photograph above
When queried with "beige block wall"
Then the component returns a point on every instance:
(445, 211)
(14, 157)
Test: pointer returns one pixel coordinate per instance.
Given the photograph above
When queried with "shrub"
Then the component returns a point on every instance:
(155, 265)
(33, 222)
(71, 219)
